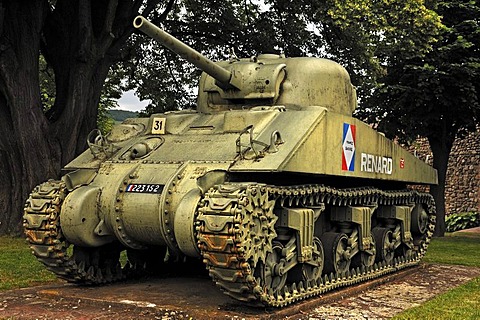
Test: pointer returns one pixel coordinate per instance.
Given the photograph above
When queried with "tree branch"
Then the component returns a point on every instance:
(110, 16)
(84, 29)
(137, 4)
(165, 12)
(129, 15)
(150, 7)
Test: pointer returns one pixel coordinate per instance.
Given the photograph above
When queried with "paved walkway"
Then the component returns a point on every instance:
(471, 230)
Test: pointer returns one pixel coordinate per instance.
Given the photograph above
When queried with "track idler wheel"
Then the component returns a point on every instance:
(419, 220)
(337, 252)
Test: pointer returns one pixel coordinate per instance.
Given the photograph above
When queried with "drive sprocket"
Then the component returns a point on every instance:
(257, 226)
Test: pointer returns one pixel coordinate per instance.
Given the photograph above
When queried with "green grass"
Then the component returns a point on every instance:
(462, 302)
(18, 267)
(462, 250)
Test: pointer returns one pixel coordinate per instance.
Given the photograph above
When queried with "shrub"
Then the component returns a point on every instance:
(460, 221)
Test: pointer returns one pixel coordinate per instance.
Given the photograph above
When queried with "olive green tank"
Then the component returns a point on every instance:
(270, 182)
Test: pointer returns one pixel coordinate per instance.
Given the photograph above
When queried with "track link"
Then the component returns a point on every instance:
(220, 238)
(222, 231)
(41, 221)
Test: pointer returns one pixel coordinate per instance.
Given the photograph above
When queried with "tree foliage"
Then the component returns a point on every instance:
(435, 94)
(358, 35)
(112, 91)
(81, 40)
(47, 84)
(379, 29)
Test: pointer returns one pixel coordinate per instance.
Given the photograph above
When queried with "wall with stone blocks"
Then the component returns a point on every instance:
(462, 190)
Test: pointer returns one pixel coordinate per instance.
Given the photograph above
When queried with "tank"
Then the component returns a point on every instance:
(270, 183)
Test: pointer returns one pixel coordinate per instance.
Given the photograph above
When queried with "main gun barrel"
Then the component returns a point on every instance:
(222, 75)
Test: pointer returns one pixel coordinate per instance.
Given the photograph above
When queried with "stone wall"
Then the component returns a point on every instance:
(462, 189)
(463, 176)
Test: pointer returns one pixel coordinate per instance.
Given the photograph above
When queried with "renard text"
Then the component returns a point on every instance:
(378, 164)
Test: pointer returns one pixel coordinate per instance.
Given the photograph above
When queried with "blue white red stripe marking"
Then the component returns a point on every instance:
(348, 147)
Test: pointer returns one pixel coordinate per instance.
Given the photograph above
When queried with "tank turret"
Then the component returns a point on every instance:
(270, 183)
(263, 80)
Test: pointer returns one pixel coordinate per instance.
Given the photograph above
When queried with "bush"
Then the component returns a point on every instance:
(460, 221)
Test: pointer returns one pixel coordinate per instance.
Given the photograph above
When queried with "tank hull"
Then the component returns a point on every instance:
(178, 207)
(270, 183)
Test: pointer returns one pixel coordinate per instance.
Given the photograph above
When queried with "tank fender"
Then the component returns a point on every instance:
(79, 177)
(211, 179)
(80, 220)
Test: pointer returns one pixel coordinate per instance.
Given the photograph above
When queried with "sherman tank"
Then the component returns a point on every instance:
(270, 182)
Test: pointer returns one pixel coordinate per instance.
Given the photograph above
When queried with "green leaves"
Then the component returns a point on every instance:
(461, 221)
(47, 84)
(406, 26)
(435, 93)
(364, 36)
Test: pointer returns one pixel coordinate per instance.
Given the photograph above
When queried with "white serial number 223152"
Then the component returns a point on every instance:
(158, 126)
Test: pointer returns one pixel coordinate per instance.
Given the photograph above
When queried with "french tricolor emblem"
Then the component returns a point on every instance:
(348, 146)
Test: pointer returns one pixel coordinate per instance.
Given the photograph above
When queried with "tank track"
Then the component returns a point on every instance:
(230, 265)
(42, 228)
(222, 246)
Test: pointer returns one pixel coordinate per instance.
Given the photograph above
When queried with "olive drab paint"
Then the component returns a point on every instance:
(270, 182)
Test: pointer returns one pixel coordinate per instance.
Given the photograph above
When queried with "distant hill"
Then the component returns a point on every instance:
(120, 115)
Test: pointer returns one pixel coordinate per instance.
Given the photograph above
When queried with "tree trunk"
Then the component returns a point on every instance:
(80, 39)
(33, 147)
(441, 151)
(26, 153)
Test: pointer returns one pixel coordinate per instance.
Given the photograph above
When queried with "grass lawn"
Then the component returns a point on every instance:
(462, 302)
(18, 267)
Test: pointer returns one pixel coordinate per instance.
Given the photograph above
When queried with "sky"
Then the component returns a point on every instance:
(130, 102)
